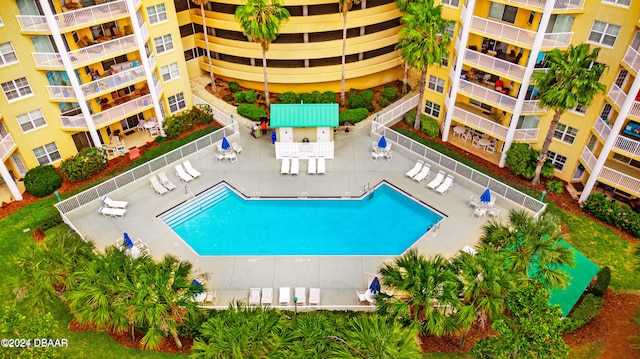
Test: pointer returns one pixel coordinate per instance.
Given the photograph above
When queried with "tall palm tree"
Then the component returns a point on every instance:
(425, 293)
(345, 6)
(423, 41)
(202, 3)
(572, 79)
(260, 21)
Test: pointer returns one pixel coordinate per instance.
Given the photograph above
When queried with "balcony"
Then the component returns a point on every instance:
(74, 19)
(86, 55)
(98, 87)
(602, 129)
(7, 146)
(490, 127)
(494, 65)
(632, 59)
(533, 106)
(488, 96)
(627, 146)
(108, 116)
(559, 4)
(613, 173)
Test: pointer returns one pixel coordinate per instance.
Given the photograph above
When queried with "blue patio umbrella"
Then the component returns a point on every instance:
(382, 143)
(225, 143)
(486, 196)
(127, 240)
(375, 286)
(198, 285)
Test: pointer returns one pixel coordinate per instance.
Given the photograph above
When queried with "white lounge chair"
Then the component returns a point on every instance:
(267, 296)
(182, 175)
(254, 296)
(321, 165)
(415, 170)
(423, 174)
(236, 147)
(156, 186)
(295, 166)
(190, 170)
(285, 296)
(112, 212)
(211, 298)
(284, 168)
(166, 182)
(436, 181)
(301, 294)
(311, 169)
(314, 296)
(114, 204)
(361, 298)
(446, 185)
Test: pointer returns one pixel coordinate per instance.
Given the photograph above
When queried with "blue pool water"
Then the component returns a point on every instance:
(221, 223)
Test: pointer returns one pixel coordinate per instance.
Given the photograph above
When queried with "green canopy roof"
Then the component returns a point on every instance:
(304, 115)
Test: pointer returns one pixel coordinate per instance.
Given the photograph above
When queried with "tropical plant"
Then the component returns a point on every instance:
(555, 187)
(260, 21)
(429, 126)
(41, 181)
(572, 79)
(344, 6)
(85, 164)
(202, 3)
(26, 328)
(423, 41)
(315, 333)
(521, 160)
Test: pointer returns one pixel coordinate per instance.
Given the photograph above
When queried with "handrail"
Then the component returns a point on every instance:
(86, 55)
(610, 176)
(487, 95)
(75, 18)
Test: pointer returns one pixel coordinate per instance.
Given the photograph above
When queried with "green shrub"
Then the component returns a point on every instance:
(367, 95)
(555, 187)
(353, 116)
(429, 126)
(234, 87)
(305, 97)
(250, 96)
(389, 93)
(239, 96)
(352, 92)
(588, 309)
(328, 97)
(518, 158)
(41, 181)
(173, 126)
(355, 101)
(369, 106)
(203, 114)
(289, 97)
(251, 112)
(602, 282)
(612, 213)
(50, 221)
(410, 117)
(316, 97)
(383, 102)
(160, 139)
(85, 164)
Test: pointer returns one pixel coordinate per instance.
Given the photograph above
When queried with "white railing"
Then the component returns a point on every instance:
(526, 134)
(33, 23)
(142, 171)
(61, 93)
(75, 18)
(306, 308)
(635, 110)
(136, 3)
(158, 89)
(152, 62)
(492, 128)
(144, 31)
(557, 40)
(632, 59)
(588, 158)
(488, 96)
(628, 146)
(533, 106)
(87, 55)
(621, 181)
(221, 117)
(392, 113)
(517, 35)
(304, 150)
(77, 121)
(601, 128)
(494, 65)
(559, 4)
(93, 88)
(616, 95)
(125, 110)
(7, 145)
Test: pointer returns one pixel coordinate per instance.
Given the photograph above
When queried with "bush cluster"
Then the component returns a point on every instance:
(175, 125)
(234, 87)
(353, 116)
(521, 160)
(85, 164)
(355, 101)
(249, 96)
(291, 97)
(602, 282)
(383, 102)
(429, 126)
(50, 222)
(41, 181)
(588, 309)
(613, 213)
(389, 93)
(251, 112)
(555, 187)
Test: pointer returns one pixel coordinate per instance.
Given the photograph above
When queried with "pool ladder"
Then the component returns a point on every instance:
(187, 191)
(368, 190)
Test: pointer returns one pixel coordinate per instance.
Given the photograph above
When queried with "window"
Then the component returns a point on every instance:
(31, 120)
(603, 33)
(7, 54)
(445, 61)
(619, 2)
(432, 109)
(436, 84)
(557, 160)
(580, 109)
(450, 29)
(503, 12)
(176, 102)
(605, 114)
(163, 43)
(565, 133)
(621, 78)
(47, 154)
(193, 53)
(170, 72)
(16, 88)
(454, 3)
(157, 13)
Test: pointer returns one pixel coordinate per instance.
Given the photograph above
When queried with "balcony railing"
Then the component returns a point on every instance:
(559, 4)
(617, 179)
(109, 116)
(93, 88)
(73, 19)
(632, 59)
(144, 31)
(601, 128)
(488, 96)
(86, 55)
(494, 65)
(61, 93)
(629, 147)
(7, 145)
(492, 128)
(616, 95)
(159, 89)
(533, 106)
(518, 36)
(526, 134)
(152, 62)
(588, 158)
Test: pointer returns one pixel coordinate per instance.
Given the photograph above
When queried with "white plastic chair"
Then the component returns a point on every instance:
(166, 182)
(416, 169)
(321, 165)
(295, 166)
(314, 296)
(284, 168)
(254, 296)
(301, 294)
(182, 174)
(311, 169)
(190, 170)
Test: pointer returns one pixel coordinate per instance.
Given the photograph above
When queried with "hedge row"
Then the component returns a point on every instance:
(612, 213)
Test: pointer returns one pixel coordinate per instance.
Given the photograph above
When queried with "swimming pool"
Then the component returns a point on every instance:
(220, 222)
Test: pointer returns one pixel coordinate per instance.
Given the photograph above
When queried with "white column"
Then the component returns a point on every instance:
(66, 61)
(535, 50)
(613, 136)
(455, 80)
(11, 184)
(148, 73)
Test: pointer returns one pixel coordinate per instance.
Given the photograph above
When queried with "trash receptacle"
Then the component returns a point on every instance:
(257, 133)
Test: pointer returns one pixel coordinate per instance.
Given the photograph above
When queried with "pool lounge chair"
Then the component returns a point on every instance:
(314, 296)
(436, 181)
(190, 170)
(267, 296)
(114, 204)
(301, 294)
(182, 175)
(112, 212)
(156, 186)
(361, 298)
(166, 182)
(254, 296)
(415, 170)
(284, 168)
(211, 298)
(285, 296)
(321, 165)
(446, 185)
(423, 174)
(295, 166)
(311, 169)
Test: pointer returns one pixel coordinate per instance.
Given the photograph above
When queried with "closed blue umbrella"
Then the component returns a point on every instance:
(382, 143)
(127, 240)
(225, 143)
(198, 285)
(486, 196)
(375, 286)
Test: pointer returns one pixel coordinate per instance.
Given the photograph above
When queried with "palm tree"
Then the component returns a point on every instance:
(315, 333)
(260, 21)
(423, 41)
(202, 3)
(572, 79)
(345, 6)
(425, 293)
